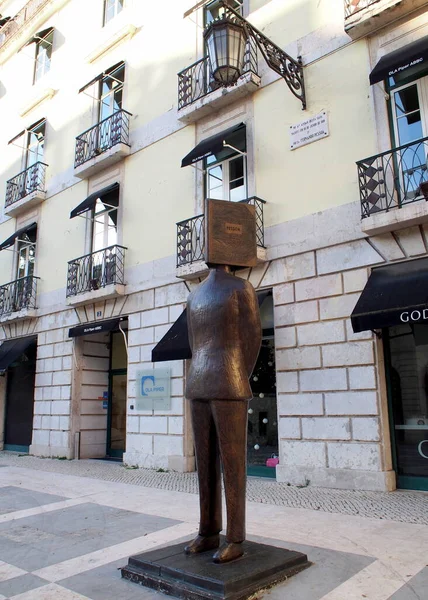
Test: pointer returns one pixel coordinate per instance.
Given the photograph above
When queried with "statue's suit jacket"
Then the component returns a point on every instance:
(224, 335)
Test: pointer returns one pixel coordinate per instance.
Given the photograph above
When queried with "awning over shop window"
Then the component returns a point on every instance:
(175, 343)
(210, 145)
(393, 295)
(11, 240)
(97, 327)
(400, 60)
(40, 35)
(108, 195)
(12, 349)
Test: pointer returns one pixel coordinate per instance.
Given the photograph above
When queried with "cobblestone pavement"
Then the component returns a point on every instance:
(404, 507)
(65, 536)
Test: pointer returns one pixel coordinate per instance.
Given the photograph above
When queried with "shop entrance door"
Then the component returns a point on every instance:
(20, 401)
(116, 414)
(262, 444)
(407, 377)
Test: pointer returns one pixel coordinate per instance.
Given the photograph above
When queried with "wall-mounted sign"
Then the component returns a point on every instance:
(309, 131)
(153, 390)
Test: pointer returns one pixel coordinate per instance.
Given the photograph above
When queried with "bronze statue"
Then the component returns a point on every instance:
(225, 337)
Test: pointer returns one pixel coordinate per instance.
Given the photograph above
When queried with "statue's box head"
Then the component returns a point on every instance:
(230, 233)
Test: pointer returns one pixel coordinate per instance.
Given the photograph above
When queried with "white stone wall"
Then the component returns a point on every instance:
(331, 425)
(157, 438)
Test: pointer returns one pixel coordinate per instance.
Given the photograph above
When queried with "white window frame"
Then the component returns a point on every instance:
(111, 93)
(102, 217)
(119, 5)
(43, 56)
(225, 164)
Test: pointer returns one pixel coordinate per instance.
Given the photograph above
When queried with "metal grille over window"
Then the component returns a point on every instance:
(96, 270)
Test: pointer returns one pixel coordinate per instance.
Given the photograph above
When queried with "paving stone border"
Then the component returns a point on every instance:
(401, 506)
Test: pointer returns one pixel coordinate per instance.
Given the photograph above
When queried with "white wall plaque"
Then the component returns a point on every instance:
(153, 390)
(308, 131)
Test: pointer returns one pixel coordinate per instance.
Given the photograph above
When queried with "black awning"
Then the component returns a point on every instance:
(30, 128)
(209, 146)
(400, 60)
(175, 343)
(40, 35)
(12, 349)
(107, 195)
(393, 295)
(97, 327)
(101, 75)
(4, 20)
(11, 240)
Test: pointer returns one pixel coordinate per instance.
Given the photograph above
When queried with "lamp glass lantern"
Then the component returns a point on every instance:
(225, 40)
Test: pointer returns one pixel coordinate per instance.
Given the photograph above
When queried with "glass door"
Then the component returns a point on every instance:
(407, 375)
(116, 414)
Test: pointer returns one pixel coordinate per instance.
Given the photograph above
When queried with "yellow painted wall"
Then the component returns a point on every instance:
(322, 174)
(158, 193)
(60, 238)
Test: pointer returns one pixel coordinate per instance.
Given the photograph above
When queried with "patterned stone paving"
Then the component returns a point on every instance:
(404, 507)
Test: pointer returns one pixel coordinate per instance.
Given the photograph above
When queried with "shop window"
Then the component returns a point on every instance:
(111, 9)
(407, 354)
(226, 171)
(43, 55)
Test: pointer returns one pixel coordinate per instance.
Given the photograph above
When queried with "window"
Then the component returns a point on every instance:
(214, 10)
(43, 55)
(104, 231)
(111, 91)
(35, 143)
(26, 248)
(409, 123)
(226, 171)
(111, 9)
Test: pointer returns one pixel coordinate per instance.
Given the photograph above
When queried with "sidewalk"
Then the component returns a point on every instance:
(67, 526)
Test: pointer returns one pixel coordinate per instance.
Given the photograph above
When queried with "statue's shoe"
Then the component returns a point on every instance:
(228, 552)
(203, 543)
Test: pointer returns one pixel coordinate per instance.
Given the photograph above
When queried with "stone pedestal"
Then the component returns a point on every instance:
(196, 577)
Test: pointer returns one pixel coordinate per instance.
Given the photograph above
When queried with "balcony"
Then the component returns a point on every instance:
(359, 14)
(25, 190)
(394, 188)
(99, 275)
(102, 145)
(199, 95)
(191, 242)
(18, 299)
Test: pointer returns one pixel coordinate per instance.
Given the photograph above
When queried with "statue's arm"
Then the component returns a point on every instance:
(250, 326)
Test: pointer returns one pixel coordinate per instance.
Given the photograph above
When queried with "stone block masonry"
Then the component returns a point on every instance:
(327, 382)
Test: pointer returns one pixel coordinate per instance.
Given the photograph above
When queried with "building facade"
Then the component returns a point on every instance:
(107, 158)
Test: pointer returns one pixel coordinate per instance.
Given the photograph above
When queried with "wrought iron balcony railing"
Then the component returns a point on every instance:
(394, 178)
(354, 6)
(191, 234)
(20, 20)
(18, 295)
(195, 81)
(96, 270)
(102, 136)
(25, 183)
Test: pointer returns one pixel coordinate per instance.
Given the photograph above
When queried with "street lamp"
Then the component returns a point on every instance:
(226, 39)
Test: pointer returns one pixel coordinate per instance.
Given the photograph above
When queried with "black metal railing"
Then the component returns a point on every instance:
(21, 19)
(102, 136)
(394, 178)
(191, 234)
(195, 81)
(18, 295)
(96, 270)
(25, 183)
(354, 6)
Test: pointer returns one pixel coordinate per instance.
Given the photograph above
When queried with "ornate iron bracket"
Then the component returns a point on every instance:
(291, 70)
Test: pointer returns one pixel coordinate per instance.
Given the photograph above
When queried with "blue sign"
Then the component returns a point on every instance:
(153, 390)
(105, 403)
